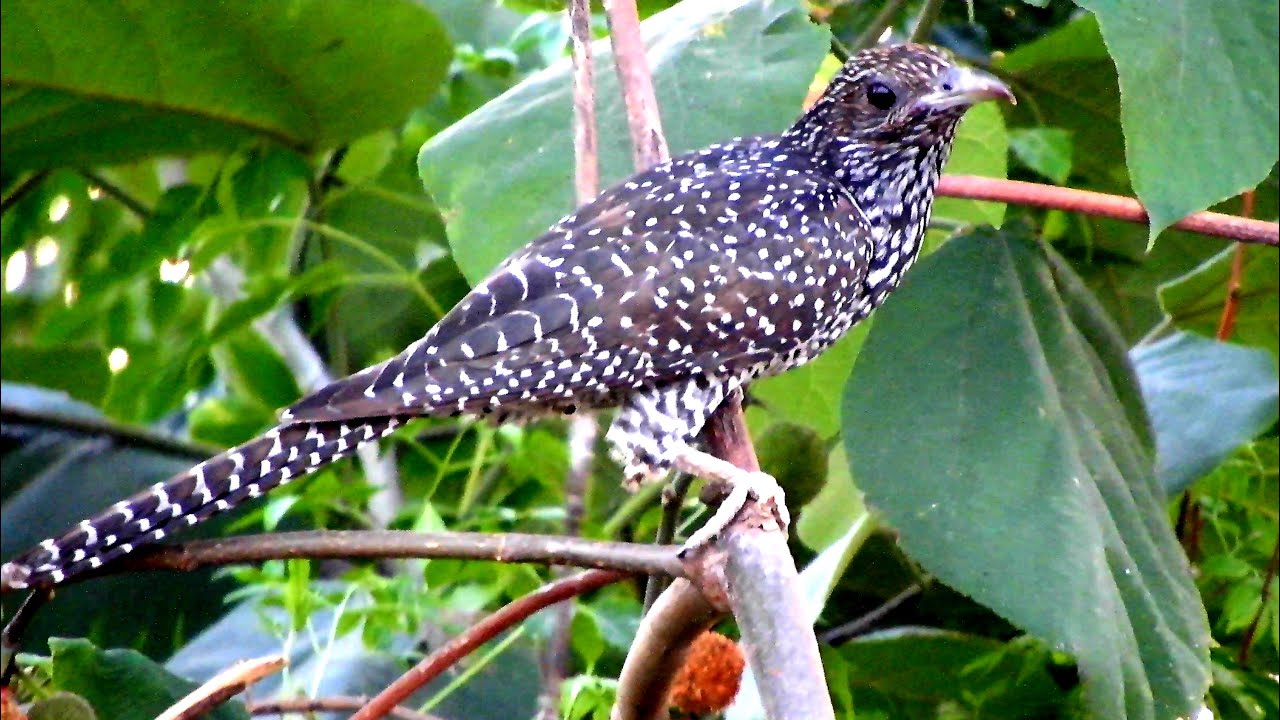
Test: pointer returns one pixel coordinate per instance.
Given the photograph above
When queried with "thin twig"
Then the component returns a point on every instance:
(1116, 207)
(119, 194)
(378, 544)
(475, 636)
(222, 687)
(11, 637)
(648, 144)
(119, 434)
(673, 496)
(1246, 641)
(925, 20)
(582, 427)
(334, 703)
(1231, 305)
(860, 625)
(870, 36)
(632, 508)
(22, 190)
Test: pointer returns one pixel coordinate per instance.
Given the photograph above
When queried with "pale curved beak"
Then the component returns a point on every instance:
(963, 87)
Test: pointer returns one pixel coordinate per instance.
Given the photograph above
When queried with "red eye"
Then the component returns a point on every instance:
(880, 96)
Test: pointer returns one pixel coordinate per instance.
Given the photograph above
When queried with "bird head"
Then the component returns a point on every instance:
(903, 93)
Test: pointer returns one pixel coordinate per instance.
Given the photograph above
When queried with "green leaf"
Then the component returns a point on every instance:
(940, 665)
(808, 395)
(503, 174)
(87, 83)
(1066, 80)
(79, 371)
(1206, 398)
(1194, 301)
(99, 676)
(1000, 436)
(981, 148)
(1045, 150)
(1200, 97)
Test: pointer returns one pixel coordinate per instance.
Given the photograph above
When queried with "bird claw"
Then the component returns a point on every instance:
(743, 486)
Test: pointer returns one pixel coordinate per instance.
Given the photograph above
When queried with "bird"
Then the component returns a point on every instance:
(662, 297)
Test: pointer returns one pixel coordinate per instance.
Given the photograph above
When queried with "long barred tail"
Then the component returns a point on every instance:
(215, 485)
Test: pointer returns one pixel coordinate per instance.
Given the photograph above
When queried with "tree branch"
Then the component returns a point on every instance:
(648, 144)
(762, 588)
(475, 636)
(335, 703)
(1116, 207)
(399, 544)
(666, 633)
(222, 687)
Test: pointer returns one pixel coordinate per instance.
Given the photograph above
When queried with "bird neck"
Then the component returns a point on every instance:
(891, 177)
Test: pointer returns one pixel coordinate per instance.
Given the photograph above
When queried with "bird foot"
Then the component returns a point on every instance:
(744, 485)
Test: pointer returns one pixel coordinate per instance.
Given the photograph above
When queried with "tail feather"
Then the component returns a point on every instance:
(214, 486)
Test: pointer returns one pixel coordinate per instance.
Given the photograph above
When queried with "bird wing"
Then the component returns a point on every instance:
(664, 277)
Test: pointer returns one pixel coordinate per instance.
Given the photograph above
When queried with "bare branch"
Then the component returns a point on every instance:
(480, 633)
(334, 703)
(1116, 207)
(680, 614)
(762, 588)
(648, 144)
(379, 544)
(222, 687)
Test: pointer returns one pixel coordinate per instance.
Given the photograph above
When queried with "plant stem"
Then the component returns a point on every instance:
(881, 22)
(925, 20)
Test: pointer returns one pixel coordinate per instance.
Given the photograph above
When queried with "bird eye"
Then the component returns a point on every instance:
(880, 96)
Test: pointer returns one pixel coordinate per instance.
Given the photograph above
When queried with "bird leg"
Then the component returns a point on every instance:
(743, 485)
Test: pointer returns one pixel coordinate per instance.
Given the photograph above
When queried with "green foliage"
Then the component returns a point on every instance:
(503, 174)
(1198, 107)
(88, 83)
(98, 676)
(193, 192)
(1031, 427)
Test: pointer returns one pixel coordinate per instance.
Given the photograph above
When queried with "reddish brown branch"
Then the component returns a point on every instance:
(1103, 205)
(1231, 305)
(648, 144)
(336, 703)
(1252, 630)
(480, 633)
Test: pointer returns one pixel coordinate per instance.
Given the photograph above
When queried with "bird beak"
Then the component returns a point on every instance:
(964, 87)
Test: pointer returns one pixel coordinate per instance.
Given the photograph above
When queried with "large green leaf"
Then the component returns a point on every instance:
(87, 82)
(1206, 399)
(992, 416)
(1200, 91)
(504, 174)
